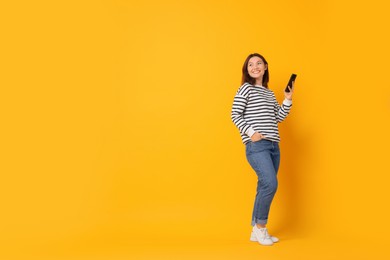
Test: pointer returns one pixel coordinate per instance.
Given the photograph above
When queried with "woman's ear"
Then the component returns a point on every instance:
(266, 67)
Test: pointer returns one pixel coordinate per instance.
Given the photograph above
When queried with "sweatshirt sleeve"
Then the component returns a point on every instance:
(281, 111)
(237, 115)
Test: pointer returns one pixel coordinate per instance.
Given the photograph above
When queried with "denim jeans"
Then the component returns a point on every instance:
(264, 157)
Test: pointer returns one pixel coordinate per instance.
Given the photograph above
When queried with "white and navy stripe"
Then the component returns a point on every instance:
(255, 109)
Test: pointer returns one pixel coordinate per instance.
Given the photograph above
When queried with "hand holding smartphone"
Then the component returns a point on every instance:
(292, 78)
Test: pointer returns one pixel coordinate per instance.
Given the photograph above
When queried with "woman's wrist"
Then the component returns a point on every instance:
(287, 101)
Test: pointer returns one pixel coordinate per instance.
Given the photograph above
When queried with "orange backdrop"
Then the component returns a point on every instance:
(117, 141)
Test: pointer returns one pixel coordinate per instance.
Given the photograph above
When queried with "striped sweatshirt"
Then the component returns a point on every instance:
(255, 109)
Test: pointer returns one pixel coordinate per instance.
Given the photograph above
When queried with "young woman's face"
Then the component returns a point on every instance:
(256, 67)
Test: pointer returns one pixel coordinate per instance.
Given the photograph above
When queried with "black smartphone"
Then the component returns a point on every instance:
(292, 78)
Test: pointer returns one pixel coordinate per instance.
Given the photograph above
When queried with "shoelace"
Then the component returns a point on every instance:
(268, 236)
(265, 230)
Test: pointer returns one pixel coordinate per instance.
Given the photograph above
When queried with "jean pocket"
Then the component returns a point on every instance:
(257, 141)
(258, 146)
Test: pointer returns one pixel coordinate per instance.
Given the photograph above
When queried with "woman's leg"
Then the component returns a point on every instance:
(261, 156)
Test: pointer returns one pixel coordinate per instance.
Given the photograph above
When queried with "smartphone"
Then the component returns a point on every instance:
(292, 78)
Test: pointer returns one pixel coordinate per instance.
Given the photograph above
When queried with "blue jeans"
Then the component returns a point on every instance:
(264, 157)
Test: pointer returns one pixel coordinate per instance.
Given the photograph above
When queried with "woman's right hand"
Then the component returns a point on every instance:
(257, 137)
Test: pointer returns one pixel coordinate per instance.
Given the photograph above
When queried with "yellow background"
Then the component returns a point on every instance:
(117, 141)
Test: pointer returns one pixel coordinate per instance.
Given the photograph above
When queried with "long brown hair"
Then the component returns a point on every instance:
(249, 79)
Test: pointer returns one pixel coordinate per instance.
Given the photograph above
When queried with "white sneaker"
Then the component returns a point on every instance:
(261, 235)
(254, 239)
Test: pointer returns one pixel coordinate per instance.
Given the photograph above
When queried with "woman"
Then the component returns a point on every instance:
(256, 113)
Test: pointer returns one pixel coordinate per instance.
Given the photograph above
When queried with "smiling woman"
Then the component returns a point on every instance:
(256, 113)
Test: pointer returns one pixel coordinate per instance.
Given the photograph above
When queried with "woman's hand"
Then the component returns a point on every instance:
(288, 95)
(257, 137)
